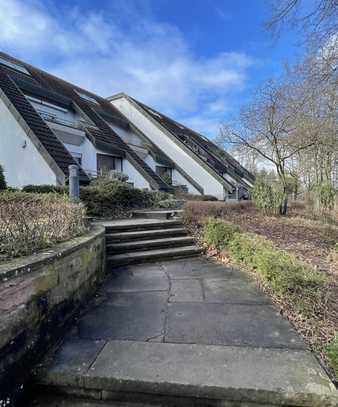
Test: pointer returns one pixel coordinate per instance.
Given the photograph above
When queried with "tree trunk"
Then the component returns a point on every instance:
(284, 206)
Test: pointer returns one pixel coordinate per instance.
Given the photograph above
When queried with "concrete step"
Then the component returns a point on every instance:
(165, 214)
(66, 401)
(140, 224)
(145, 234)
(152, 255)
(149, 244)
(189, 375)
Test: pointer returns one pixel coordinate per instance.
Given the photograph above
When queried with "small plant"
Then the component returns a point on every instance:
(167, 179)
(218, 234)
(331, 352)
(3, 184)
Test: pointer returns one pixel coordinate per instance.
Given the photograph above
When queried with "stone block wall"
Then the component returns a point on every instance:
(39, 296)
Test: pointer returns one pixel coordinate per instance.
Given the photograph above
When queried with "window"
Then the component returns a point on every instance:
(106, 163)
(166, 173)
(14, 65)
(87, 97)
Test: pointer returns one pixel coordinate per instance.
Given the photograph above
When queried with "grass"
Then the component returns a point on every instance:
(331, 352)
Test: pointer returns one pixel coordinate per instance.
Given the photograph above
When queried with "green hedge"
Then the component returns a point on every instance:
(108, 198)
(283, 272)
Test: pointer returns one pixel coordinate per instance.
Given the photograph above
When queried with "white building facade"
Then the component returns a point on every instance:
(48, 124)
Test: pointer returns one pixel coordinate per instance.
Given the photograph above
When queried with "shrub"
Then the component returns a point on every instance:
(218, 234)
(112, 198)
(3, 184)
(321, 200)
(268, 198)
(283, 272)
(192, 197)
(171, 204)
(29, 222)
(331, 352)
(45, 189)
(196, 212)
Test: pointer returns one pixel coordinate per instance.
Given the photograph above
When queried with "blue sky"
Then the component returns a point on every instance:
(196, 60)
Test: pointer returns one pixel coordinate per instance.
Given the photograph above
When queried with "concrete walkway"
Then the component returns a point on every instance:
(188, 328)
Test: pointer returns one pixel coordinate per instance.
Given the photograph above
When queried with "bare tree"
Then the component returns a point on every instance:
(267, 127)
(318, 19)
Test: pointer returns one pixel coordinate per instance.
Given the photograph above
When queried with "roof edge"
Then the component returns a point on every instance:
(180, 144)
(117, 96)
(59, 174)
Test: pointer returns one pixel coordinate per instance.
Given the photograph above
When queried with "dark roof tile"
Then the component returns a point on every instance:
(218, 159)
(47, 138)
(40, 81)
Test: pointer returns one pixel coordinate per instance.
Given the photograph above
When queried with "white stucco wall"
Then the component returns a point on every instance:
(22, 165)
(179, 179)
(134, 176)
(88, 152)
(128, 136)
(209, 184)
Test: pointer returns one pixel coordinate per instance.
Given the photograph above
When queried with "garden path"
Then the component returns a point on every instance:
(189, 328)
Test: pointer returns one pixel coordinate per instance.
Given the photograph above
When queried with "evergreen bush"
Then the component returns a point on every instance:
(324, 195)
(218, 233)
(283, 272)
(112, 198)
(269, 198)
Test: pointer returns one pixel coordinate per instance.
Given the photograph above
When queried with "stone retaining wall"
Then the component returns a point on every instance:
(39, 296)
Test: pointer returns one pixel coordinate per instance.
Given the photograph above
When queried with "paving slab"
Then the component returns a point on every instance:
(137, 279)
(236, 290)
(197, 268)
(186, 291)
(76, 355)
(132, 316)
(231, 325)
(194, 332)
(213, 372)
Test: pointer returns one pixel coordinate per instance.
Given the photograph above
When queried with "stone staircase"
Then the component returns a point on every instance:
(137, 240)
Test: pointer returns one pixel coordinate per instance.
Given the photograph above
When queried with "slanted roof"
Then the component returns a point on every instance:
(97, 109)
(216, 158)
(56, 150)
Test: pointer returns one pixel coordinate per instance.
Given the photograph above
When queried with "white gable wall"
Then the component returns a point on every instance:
(210, 185)
(22, 165)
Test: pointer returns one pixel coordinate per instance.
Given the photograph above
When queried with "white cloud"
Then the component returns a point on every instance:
(124, 50)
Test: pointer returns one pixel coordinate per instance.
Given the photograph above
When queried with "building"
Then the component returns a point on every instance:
(208, 169)
(48, 124)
